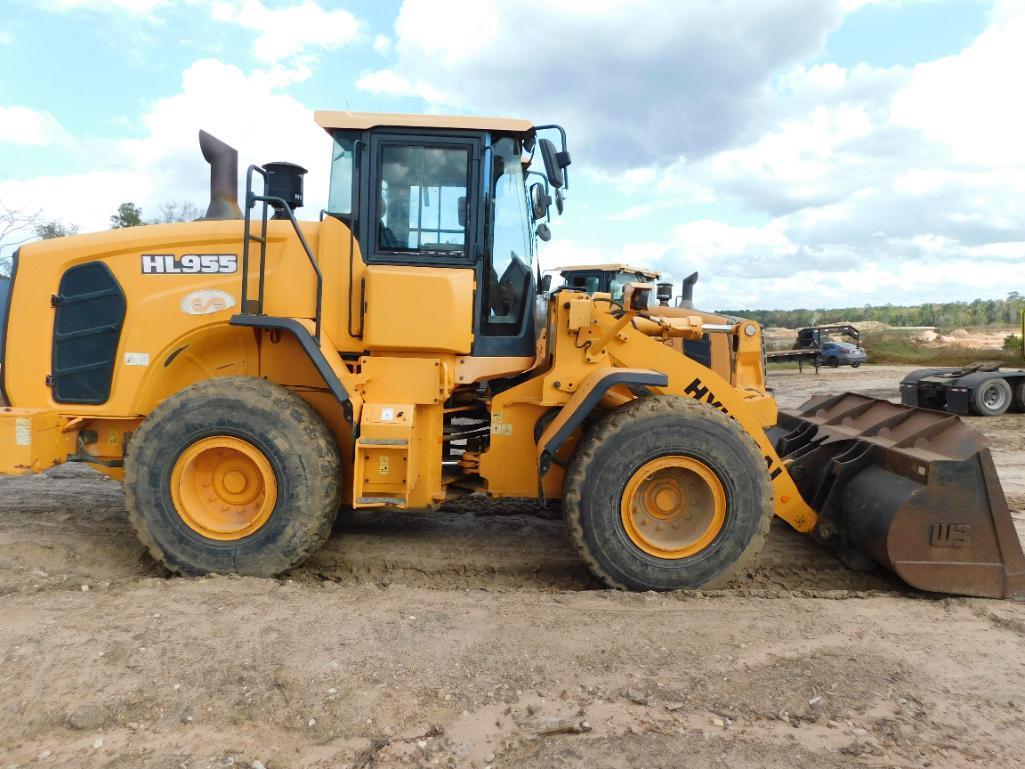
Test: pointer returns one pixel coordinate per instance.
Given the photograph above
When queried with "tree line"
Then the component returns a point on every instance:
(18, 227)
(980, 312)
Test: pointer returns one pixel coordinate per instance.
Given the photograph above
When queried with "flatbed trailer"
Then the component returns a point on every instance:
(801, 356)
(982, 389)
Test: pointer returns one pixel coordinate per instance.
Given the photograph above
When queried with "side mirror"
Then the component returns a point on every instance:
(539, 201)
(543, 232)
(560, 201)
(552, 168)
(461, 213)
(546, 284)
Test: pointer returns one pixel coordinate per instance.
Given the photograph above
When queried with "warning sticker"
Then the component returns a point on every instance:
(383, 465)
(23, 432)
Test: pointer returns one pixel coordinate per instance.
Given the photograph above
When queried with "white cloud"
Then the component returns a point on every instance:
(290, 30)
(897, 184)
(862, 172)
(387, 82)
(863, 183)
(639, 80)
(29, 127)
(165, 164)
(971, 103)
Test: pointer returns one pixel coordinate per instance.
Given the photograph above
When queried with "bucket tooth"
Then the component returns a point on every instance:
(915, 490)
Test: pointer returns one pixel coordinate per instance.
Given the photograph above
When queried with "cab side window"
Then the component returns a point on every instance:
(421, 200)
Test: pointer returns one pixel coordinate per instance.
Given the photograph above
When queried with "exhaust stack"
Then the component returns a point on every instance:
(223, 162)
(687, 297)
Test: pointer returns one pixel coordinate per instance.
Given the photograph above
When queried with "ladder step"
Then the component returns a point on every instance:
(380, 501)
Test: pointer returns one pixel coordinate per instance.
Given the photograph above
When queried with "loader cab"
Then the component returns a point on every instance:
(605, 278)
(435, 198)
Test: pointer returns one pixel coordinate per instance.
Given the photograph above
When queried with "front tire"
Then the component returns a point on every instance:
(666, 493)
(232, 475)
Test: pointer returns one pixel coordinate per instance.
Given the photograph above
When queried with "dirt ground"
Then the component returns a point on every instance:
(474, 638)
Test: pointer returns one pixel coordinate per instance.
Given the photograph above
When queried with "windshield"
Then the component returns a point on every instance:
(509, 280)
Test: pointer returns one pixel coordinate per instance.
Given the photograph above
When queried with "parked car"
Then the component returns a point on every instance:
(836, 354)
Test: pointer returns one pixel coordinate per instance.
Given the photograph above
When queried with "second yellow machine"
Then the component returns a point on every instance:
(247, 378)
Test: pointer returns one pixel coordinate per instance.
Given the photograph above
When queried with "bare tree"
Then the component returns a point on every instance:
(173, 211)
(16, 227)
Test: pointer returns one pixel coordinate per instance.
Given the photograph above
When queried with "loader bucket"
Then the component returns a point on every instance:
(913, 489)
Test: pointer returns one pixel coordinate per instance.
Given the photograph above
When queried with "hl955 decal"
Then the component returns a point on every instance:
(189, 264)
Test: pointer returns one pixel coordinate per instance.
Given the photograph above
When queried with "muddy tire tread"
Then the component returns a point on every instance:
(610, 425)
(321, 452)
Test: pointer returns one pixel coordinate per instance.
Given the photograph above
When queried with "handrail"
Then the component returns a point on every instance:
(251, 200)
(355, 207)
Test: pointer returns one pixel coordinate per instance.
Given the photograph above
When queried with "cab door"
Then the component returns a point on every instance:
(507, 283)
(420, 235)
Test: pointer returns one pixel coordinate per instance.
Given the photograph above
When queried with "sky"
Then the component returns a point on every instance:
(796, 153)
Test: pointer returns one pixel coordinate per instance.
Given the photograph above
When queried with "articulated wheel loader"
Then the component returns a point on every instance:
(248, 374)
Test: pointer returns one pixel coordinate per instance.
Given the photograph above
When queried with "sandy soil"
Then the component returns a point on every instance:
(473, 638)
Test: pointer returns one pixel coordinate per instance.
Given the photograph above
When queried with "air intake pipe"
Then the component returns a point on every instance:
(223, 162)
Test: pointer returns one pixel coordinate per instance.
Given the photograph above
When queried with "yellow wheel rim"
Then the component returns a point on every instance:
(223, 488)
(673, 507)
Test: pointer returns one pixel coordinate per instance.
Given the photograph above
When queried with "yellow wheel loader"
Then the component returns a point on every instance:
(248, 374)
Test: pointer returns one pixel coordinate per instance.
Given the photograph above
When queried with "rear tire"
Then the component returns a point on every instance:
(992, 397)
(232, 475)
(855, 365)
(1018, 400)
(651, 449)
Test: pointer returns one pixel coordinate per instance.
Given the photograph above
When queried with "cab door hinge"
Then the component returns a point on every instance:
(54, 300)
(49, 380)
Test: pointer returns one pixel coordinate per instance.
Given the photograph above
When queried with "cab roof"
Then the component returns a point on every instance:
(611, 268)
(361, 121)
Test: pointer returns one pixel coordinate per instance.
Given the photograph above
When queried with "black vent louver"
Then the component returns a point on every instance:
(90, 312)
